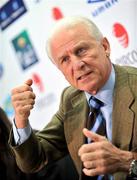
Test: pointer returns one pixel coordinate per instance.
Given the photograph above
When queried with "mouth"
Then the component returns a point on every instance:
(84, 76)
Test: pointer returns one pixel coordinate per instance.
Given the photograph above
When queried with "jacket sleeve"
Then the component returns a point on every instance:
(43, 147)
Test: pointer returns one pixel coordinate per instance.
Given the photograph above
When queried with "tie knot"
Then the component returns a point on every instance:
(95, 103)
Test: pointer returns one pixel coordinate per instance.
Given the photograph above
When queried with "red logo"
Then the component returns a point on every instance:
(57, 14)
(121, 34)
(38, 82)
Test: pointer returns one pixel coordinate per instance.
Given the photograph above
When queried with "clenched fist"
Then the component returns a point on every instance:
(23, 100)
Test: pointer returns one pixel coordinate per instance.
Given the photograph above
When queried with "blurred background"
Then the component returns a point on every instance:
(24, 28)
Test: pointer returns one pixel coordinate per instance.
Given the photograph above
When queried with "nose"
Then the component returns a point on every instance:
(78, 64)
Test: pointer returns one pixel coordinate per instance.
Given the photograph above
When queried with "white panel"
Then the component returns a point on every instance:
(38, 21)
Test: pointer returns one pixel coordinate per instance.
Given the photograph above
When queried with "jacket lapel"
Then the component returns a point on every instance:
(74, 124)
(123, 116)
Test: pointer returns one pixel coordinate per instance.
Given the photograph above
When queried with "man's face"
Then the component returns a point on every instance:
(81, 58)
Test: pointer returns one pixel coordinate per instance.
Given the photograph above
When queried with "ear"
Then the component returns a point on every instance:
(106, 45)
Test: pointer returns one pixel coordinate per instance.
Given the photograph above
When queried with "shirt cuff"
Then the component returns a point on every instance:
(21, 134)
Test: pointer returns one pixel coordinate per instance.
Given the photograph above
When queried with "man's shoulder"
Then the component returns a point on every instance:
(128, 69)
(131, 70)
(70, 91)
(126, 76)
(71, 97)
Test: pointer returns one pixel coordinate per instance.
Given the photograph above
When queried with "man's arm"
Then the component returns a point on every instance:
(21, 137)
(38, 149)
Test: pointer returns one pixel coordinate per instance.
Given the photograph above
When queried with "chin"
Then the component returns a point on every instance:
(85, 89)
(91, 91)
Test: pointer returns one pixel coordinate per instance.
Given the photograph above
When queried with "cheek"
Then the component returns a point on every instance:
(67, 73)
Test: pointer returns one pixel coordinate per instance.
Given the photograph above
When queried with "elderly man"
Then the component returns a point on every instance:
(100, 96)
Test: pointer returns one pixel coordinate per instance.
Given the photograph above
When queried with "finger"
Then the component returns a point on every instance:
(25, 87)
(87, 148)
(89, 164)
(99, 170)
(20, 104)
(29, 82)
(21, 89)
(93, 136)
(90, 172)
(27, 108)
(23, 96)
(94, 171)
(89, 156)
(93, 147)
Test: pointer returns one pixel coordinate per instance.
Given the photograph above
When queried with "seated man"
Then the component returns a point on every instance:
(96, 123)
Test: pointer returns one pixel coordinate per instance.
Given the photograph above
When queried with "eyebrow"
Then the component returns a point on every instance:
(80, 43)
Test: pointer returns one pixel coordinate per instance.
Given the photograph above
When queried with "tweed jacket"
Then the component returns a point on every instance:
(64, 133)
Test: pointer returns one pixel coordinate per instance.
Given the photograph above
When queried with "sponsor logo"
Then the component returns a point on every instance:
(24, 50)
(128, 59)
(11, 11)
(8, 107)
(1, 70)
(120, 32)
(37, 1)
(102, 7)
(57, 14)
(38, 82)
(94, 1)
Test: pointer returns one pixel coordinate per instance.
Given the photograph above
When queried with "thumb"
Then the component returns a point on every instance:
(93, 136)
(29, 82)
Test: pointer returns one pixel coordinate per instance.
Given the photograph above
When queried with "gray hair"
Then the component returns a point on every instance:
(70, 22)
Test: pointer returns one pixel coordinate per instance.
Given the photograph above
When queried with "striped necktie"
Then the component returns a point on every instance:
(96, 123)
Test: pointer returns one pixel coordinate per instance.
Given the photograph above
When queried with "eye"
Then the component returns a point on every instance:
(80, 51)
(65, 59)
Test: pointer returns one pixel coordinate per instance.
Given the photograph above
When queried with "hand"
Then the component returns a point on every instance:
(23, 100)
(102, 157)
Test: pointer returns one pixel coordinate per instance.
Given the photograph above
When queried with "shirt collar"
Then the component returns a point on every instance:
(105, 94)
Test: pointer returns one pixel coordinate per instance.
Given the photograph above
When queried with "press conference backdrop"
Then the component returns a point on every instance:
(25, 26)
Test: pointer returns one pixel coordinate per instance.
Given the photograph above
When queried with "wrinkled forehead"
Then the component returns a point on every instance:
(65, 36)
(62, 34)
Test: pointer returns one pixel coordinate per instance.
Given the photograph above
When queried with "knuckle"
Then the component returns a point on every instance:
(102, 163)
(88, 164)
(32, 102)
(30, 94)
(31, 107)
(92, 173)
(84, 147)
(26, 87)
(103, 170)
(17, 104)
(12, 99)
(85, 164)
(82, 157)
(12, 91)
(102, 153)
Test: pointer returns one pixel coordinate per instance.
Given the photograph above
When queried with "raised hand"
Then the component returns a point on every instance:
(102, 157)
(23, 100)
